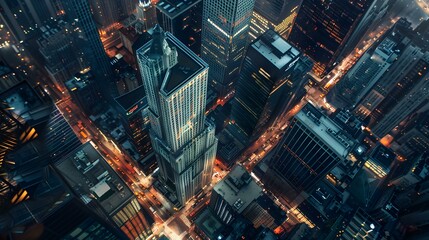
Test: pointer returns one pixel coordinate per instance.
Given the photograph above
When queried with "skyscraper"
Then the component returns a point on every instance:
(175, 81)
(322, 28)
(312, 146)
(183, 20)
(224, 39)
(58, 49)
(23, 16)
(79, 15)
(366, 72)
(271, 78)
(278, 15)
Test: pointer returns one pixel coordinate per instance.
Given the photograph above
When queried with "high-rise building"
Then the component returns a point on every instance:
(146, 14)
(224, 40)
(415, 137)
(233, 194)
(175, 81)
(407, 96)
(365, 73)
(57, 47)
(105, 12)
(271, 80)
(133, 109)
(100, 188)
(313, 145)
(127, 7)
(82, 90)
(238, 195)
(278, 15)
(79, 15)
(183, 19)
(21, 17)
(322, 28)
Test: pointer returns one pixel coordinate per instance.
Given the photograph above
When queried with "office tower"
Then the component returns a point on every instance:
(278, 15)
(409, 52)
(233, 194)
(175, 81)
(105, 12)
(375, 15)
(8, 77)
(365, 73)
(271, 81)
(100, 188)
(57, 47)
(224, 40)
(183, 19)
(322, 28)
(79, 14)
(21, 17)
(312, 146)
(415, 137)
(126, 76)
(146, 14)
(127, 7)
(406, 97)
(82, 89)
(133, 109)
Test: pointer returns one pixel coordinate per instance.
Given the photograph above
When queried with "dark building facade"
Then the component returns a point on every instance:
(273, 14)
(322, 28)
(224, 41)
(79, 15)
(271, 79)
(183, 19)
(312, 146)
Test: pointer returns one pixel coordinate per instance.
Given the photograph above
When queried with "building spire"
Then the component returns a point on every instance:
(158, 40)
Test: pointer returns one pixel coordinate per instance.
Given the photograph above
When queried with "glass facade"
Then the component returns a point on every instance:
(224, 40)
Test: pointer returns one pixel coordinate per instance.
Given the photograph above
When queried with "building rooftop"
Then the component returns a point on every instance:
(209, 224)
(89, 175)
(173, 8)
(26, 102)
(238, 188)
(383, 156)
(130, 100)
(326, 129)
(79, 81)
(276, 49)
(188, 63)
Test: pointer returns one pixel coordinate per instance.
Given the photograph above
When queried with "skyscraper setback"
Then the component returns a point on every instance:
(224, 39)
(176, 86)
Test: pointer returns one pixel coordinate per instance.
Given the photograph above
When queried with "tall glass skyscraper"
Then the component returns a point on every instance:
(79, 14)
(175, 81)
(271, 80)
(224, 39)
(312, 146)
(322, 28)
